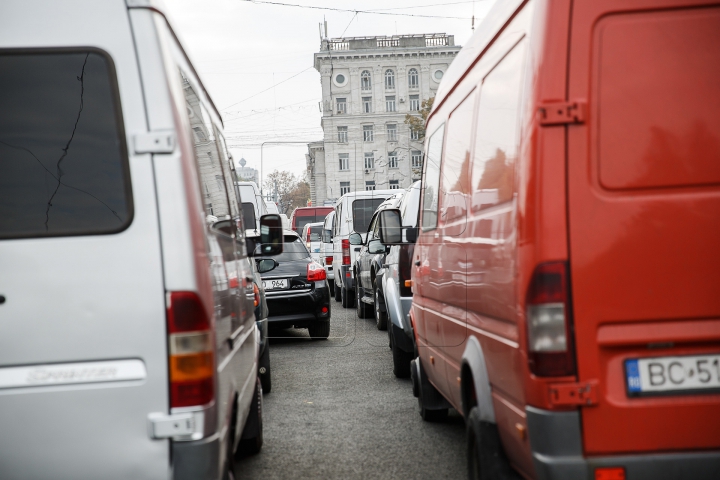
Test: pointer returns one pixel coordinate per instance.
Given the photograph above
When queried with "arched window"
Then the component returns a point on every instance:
(365, 83)
(413, 79)
(389, 80)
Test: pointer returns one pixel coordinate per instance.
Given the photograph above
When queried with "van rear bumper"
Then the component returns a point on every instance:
(193, 460)
(556, 444)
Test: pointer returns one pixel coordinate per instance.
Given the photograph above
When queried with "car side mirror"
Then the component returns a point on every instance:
(390, 227)
(271, 234)
(376, 246)
(355, 239)
(266, 265)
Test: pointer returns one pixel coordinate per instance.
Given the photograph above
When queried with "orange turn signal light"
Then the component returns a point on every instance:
(610, 473)
(408, 283)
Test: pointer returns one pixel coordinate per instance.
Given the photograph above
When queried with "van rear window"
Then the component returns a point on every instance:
(63, 159)
(363, 211)
(248, 210)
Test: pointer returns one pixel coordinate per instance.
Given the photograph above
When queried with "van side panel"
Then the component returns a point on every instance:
(88, 298)
(644, 195)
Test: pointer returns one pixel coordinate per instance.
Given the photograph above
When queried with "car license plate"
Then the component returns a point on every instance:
(663, 375)
(277, 284)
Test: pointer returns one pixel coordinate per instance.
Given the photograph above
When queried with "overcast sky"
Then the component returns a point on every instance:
(256, 60)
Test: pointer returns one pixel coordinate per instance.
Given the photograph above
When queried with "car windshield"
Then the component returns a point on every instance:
(293, 248)
(363, 210)
(315, 233)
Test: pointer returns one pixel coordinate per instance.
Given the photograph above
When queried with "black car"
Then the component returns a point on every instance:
(296, 291)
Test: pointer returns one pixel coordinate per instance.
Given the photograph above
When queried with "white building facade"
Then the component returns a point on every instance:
(369, 84)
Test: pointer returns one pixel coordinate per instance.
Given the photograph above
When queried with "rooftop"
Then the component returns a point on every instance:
(394, 41)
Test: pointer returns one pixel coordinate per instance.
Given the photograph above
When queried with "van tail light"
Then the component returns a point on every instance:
(308, 237)
(256, 295)
(315, 272)
(190, 338)
(328, 260)
(549, 322)
(404, 269)
(346, 252)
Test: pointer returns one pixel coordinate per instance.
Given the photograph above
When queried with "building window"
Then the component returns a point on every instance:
(342, 135)
(344, 161)
(367, 104)
(389, 80)
(368, 133)
(392, 160)
(344, 188)
(413, 79)
(199, 135)
(391, 132)
(390, 104)
(369, 160)
(370, 185)
(414, 103)
(414, 134)
(341, 105)
(394, 185)
(365, 82)
(416, 158)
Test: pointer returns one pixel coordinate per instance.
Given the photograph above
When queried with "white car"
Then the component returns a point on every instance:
(326, 249)
(312, 236)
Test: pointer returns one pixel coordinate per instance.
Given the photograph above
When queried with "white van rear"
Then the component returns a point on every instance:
(128, 345)
(253, 205)
(353, 212)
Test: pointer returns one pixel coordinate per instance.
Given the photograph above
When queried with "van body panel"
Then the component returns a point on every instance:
(643, 199)
(79, 299)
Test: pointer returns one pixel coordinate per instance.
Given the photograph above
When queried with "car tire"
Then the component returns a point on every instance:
(348, 298)
(360, 307)
(264, 371)
(338, 293)
(319, 329)
(251, 440)
(380, 316)
(401, 361)
(485, 456)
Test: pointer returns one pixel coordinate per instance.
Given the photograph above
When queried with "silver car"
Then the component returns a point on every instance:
(128, 345)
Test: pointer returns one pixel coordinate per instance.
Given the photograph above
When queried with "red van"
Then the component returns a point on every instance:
(303, 215)
(567, 269)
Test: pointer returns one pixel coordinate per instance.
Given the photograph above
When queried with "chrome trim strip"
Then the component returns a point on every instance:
(72, 373)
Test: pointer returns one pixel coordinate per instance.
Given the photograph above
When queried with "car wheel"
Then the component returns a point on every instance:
(485, 456)
(264, 371)
(251, 440)
(319, 329)
(401, 361)
(380, 316)
(338, 293)
(360, 306)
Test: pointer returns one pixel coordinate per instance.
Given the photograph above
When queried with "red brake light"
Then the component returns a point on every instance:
(549, 321)
(346, 252)
(256, 295)
(190, 340)
(308, 236)
(315, 272)
(610, 473)
(328, 260)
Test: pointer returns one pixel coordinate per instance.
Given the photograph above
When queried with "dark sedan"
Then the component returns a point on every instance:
(296, 291)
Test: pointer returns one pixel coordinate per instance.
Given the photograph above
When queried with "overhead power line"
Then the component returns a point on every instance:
(349, 10)
(269, 88)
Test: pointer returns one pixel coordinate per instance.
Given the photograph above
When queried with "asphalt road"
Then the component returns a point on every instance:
(337, 411)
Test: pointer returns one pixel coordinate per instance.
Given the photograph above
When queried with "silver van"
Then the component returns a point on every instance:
(128, 344)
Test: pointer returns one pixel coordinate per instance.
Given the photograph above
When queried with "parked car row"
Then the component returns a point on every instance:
(563, 278)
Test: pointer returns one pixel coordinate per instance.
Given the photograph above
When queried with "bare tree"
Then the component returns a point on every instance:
(288, 190)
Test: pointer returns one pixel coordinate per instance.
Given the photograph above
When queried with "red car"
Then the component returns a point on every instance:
(566, 274)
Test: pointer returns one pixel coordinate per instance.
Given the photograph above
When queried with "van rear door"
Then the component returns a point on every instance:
(644, 217)
(83, 348)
